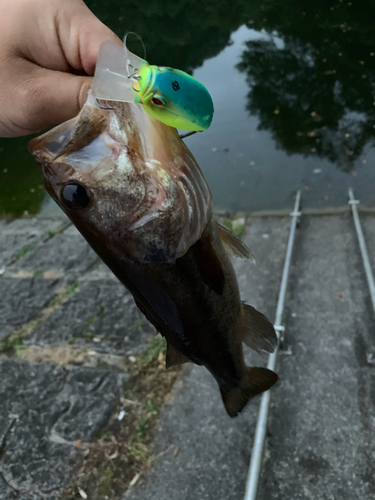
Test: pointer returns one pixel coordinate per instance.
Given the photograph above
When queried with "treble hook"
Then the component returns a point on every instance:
(189, 134)
(136, 77)
(103, 107)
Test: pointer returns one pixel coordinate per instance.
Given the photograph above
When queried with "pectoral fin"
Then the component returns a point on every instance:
(258, 333)
(174, 357)
(234, 245)
(255, 381)
(209, 265)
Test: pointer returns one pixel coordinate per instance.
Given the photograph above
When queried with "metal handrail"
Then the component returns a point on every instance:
(261, 427)
(362, 245)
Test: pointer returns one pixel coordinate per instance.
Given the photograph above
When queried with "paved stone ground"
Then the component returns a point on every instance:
(55, 292)
(321, 439)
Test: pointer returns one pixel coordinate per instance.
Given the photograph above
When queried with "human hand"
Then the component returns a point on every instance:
(47, 50)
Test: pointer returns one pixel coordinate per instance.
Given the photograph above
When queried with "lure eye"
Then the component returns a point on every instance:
(74, 196)
(157, 101)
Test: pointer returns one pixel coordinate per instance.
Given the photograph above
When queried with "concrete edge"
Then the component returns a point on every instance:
(223, 213)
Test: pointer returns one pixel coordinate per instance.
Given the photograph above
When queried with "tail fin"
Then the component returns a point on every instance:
(255, 381)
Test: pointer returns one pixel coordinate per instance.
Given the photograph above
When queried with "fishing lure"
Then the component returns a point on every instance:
(170, 95)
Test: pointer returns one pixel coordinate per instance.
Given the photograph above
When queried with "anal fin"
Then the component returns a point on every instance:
(174, 357)
(234, 244)
(258, 333)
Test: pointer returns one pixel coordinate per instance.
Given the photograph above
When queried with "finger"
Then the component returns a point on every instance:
(81, 35)
(49, 98)
(56, 34)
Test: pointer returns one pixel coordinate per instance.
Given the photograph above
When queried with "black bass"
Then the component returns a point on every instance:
(135, 192)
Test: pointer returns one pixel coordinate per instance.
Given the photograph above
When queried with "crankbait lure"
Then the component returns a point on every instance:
(170, 95)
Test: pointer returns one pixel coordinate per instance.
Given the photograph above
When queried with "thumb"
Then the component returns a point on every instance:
(52, 97)
(81, 33)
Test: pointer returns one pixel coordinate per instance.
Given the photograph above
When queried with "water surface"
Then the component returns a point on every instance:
(293, 86)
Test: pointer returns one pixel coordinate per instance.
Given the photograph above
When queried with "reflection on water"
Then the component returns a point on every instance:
(294, 93)
(21, 180)
(176, 33)
(315, 94)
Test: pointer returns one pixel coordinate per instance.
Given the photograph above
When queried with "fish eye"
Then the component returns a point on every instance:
(74, 196)
(158, 101)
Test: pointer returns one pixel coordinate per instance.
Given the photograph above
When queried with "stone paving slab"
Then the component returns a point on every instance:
(63, 254)
(102, 315)
(45, 410)
(24, 235)
(22, 300)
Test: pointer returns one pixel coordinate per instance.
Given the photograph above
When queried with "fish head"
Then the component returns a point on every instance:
(127, 182)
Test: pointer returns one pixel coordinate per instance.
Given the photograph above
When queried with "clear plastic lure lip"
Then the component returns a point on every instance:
(113, 81)
(117, 72)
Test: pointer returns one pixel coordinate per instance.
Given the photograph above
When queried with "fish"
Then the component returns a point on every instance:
(169, 95)
(137, 195)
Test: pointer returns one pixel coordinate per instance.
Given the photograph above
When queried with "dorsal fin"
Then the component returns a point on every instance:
(234, 244)
(258, 333)
(174, 357)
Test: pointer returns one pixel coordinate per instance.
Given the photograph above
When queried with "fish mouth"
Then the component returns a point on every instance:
(44, 149)
(72, 135)
(50, 150)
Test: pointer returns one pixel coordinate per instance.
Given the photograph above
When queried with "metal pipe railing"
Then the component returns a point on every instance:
(362, 245)
(261, 427)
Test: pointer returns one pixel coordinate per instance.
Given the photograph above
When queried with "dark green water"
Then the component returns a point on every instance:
(293, 85)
